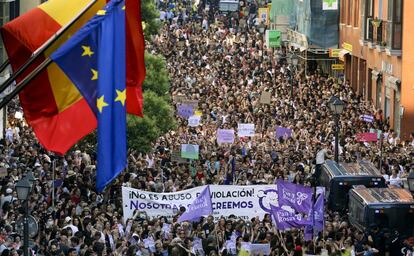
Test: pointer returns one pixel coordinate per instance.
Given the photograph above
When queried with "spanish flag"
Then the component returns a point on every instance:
(52, 105)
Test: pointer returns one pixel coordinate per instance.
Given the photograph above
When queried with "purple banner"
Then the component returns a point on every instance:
(185, 110)
(296, 196)
(199, 207)
(285, 219)
(282, 132)
(225, 136)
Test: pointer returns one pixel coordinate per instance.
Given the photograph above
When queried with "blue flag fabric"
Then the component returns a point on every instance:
(94, 59)
(199, 207)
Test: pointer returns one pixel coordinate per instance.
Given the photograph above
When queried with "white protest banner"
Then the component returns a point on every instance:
(225, 136)
(244, 202)
(245, 130)
(194, 121)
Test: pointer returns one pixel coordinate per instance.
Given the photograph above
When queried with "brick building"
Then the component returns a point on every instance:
(375, 36)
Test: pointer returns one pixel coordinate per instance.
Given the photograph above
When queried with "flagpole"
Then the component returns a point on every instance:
(20, 86)
(36, 54)
(4, 65)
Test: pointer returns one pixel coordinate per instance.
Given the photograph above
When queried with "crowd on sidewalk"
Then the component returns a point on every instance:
(223, 65)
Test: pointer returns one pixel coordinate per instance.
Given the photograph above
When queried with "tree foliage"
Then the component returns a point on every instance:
(158, 119)
(157, 75)
(150, 15)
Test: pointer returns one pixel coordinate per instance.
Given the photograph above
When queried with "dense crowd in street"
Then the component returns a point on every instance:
(221, 63)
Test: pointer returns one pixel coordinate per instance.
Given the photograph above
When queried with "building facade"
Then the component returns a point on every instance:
(374, 36)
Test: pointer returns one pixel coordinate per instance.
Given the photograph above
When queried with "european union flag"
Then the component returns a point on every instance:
(94, 59)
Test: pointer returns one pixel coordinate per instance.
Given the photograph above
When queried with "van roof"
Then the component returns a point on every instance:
(384, 195)
(361, 168)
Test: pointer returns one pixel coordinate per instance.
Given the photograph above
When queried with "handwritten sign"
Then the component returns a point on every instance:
(194, 121)
(245, 130)
(265, 97)
(185, 110)
(225, 136)
(282, 132)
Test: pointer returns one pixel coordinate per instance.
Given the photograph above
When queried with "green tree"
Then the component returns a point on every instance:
(158, 119)
(150, 15)
(157, 75)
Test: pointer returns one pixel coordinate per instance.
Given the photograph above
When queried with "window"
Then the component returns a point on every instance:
(369, 16)
(394, 25)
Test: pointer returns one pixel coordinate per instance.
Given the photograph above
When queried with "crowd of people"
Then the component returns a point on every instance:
(221, 63)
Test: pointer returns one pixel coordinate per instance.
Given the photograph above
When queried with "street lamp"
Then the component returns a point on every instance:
(410, 180)
(23, 188)
(30, 177)
(337, 106)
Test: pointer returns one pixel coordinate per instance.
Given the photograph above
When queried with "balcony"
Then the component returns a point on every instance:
(383, 36)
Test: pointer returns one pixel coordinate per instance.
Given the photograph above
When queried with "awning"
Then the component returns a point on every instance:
(343, 52)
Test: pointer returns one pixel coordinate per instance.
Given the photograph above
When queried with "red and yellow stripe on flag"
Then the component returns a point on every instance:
(52, 104)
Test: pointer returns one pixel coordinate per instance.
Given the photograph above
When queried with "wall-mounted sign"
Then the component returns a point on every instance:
(338, 67)
(347, 46)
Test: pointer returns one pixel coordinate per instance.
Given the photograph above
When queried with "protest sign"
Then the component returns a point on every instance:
(367, 118)
(18, 115)
(189, 151)
(176, 157)
(244, 202)
(260, 249)
(366, 137)
(179, 98)
(200, 207)
(245, 130)
(193, 103)
(185, 110)
(225, 136)
(296, 196)
(265, 97)
(282, 132)
(194, 121)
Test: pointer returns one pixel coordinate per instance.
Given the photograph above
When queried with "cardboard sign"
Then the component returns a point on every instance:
(265, 97)
(176, 157)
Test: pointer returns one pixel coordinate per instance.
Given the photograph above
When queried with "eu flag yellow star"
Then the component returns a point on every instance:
(87, 51)
(94, 74)
(121, 96)
(123, 7)
(101, 12)
(100, 103)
